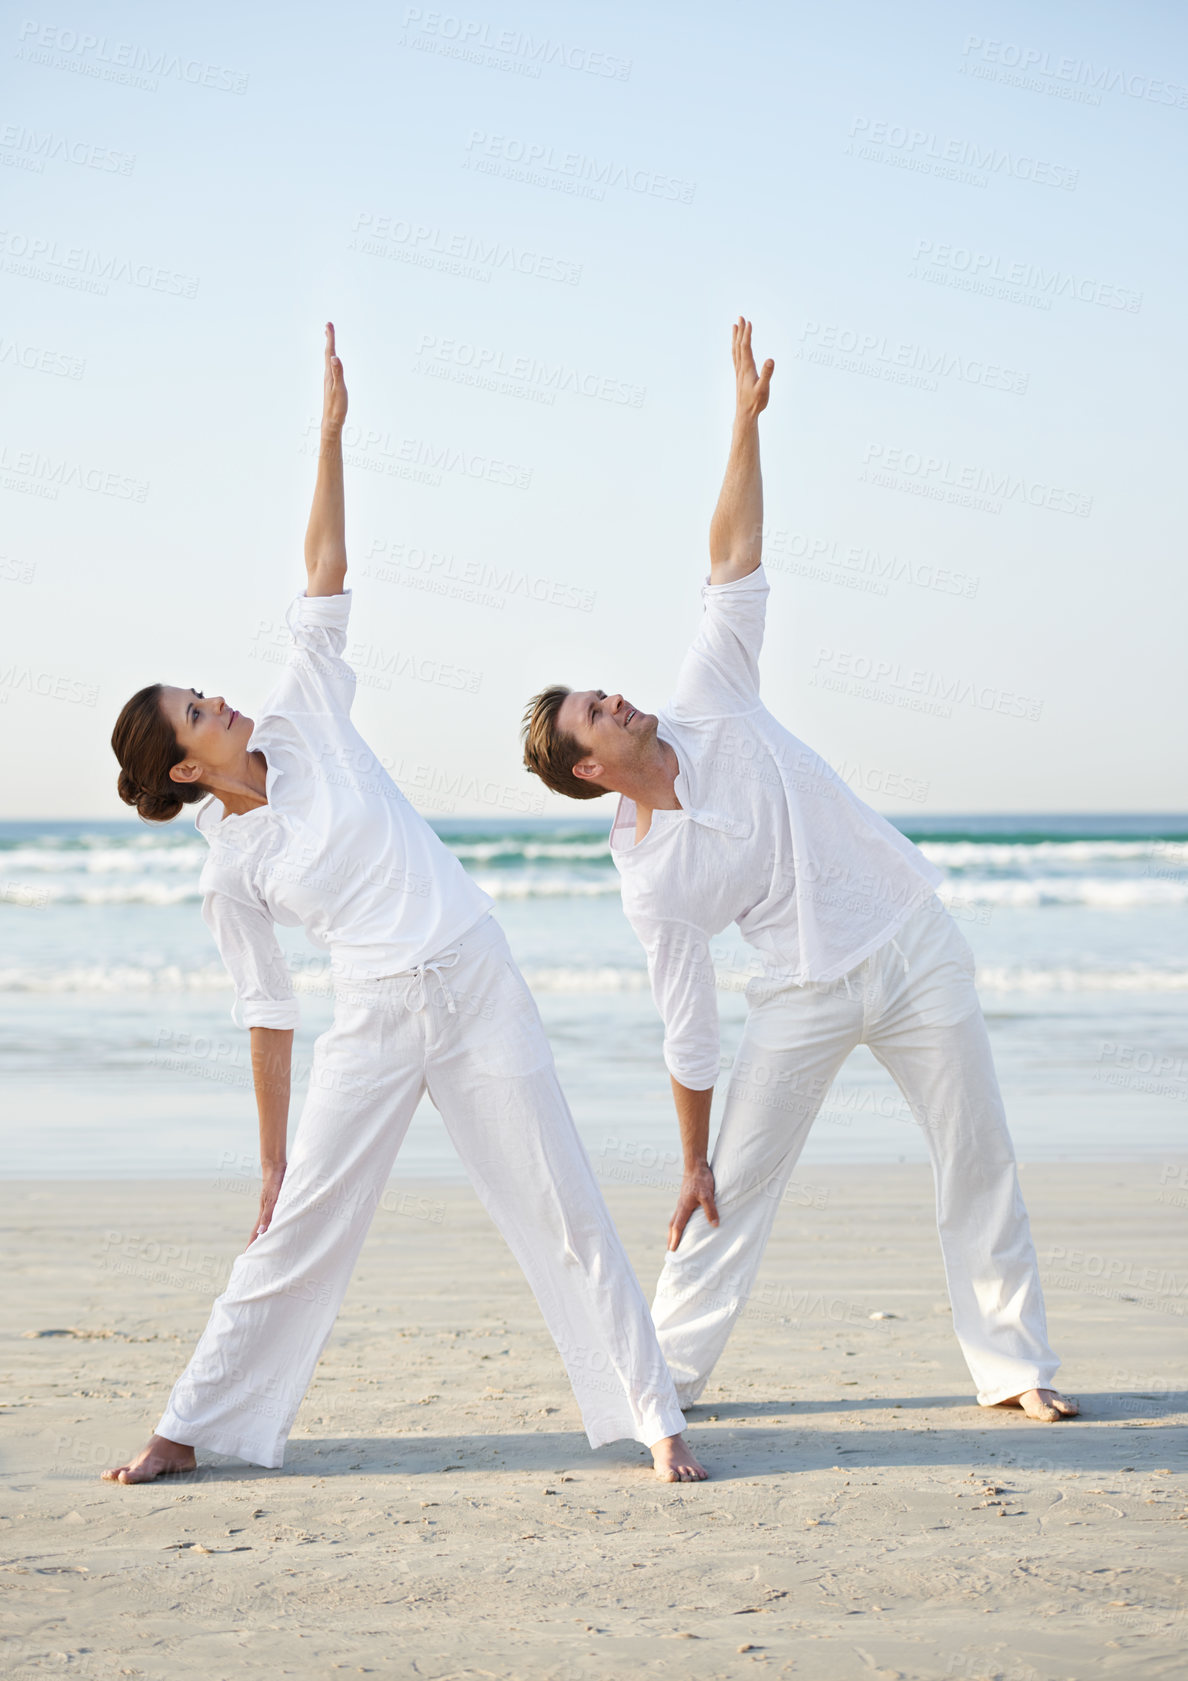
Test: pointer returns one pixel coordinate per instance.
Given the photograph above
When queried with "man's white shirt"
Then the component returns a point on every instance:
(336, 849)
(768, 837)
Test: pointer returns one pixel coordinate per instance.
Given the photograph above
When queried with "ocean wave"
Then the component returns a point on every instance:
(531, 851)
(605, 979)
(105, 860)
(1101, 892)
(312, 976)
(1003, 978)
(1010, 893)
(37, 895)
(541, 887)
(34, 894)
(1001, 855)
(116, 977)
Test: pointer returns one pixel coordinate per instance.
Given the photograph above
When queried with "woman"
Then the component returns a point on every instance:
(306, 828)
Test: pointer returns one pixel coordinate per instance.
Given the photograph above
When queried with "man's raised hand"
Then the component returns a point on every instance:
(753, 386)
(334, 392)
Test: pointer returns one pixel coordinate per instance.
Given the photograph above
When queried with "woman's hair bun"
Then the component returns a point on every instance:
(143, 737)
(156, 805)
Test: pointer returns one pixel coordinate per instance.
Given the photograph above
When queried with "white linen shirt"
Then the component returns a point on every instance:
(336, 849)
(768, 836)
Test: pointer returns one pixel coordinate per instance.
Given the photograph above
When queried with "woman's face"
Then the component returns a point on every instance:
(210, 733)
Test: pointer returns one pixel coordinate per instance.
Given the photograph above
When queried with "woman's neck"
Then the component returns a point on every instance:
(245, 791)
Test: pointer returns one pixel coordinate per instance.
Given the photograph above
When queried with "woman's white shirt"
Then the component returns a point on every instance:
(337, 848)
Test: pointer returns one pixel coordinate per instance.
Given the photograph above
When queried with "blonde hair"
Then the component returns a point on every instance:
(551, 752)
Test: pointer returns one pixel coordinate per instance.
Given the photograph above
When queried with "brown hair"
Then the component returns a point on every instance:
(549, 751)
(144, 743)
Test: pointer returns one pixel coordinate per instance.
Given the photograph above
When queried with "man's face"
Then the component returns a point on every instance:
(212, 734)
(615, 734)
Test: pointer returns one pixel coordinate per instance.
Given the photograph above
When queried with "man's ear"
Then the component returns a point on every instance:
(589, 770)
(186, 771)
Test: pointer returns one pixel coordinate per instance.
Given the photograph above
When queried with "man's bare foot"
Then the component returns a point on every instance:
(675, 1461)
(1044, 1405)
(159, 1457)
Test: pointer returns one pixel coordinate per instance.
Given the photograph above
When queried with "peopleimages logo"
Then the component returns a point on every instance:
(944, 263)
(969, 161)
(472, 256)
(30, 149)
(859, 350)
(78, 269)
(540, 164)
(502, 370)
(914, 688)
(38, 359)
(509, 50)
(419, 459)
(1043, 71)
(442, 573)
(938, 475)
(48, 474)
(119, 61)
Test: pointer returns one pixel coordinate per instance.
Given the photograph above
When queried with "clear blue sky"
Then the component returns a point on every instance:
(957, 229)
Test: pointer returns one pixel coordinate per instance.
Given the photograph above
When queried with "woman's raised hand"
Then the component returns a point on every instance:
(334, 396)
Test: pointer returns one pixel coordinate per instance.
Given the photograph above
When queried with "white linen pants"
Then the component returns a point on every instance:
(465, 1028)
(913, 1001)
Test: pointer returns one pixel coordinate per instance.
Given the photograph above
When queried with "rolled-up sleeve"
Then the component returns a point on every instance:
(685, 990)
(321, 680)
(720, 673)
(247, 942)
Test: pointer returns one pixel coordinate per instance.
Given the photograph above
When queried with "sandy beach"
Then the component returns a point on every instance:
(439, 1514)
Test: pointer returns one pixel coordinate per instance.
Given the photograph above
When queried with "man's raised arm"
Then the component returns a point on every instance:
(736, 530)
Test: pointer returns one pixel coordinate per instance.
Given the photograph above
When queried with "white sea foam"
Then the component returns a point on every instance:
(546, 887)
(105, 860)
(1003, 978)
(1021, 855)
(1009, 892)
(313, 977)
(1102, 892)
(115, 977)
(532, 851)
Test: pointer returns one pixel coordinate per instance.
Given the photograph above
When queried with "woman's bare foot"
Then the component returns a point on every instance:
(160, 1457)
(675, 1461)
(1044, 1405)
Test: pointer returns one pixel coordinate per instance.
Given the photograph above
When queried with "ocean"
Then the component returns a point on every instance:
(120, 1059)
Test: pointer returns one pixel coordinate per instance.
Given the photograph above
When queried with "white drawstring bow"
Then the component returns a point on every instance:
(417, 984)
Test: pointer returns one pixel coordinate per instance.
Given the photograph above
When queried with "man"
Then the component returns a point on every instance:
(725, 817)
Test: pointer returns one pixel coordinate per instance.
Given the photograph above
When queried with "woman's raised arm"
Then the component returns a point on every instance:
(325, 537)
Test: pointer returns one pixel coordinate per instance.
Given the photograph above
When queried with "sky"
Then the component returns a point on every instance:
(957, 229)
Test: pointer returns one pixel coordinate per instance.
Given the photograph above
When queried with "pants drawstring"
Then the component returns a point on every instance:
(848, 987)
(899, 949)
(417, 985)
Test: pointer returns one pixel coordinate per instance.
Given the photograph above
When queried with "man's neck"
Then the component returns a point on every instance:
(652, 786)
